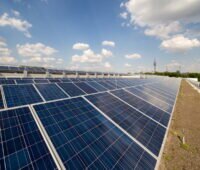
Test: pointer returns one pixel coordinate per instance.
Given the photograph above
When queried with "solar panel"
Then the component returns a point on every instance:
(66, 80)
(51, 91)
(150, 110)
(145, 130)
(164, 106)
(97, 86)
(24, 81)
(54, 80)
(21, 144)
(1, 101)
(71, 89)
(17, 95)
(86, 88)
(156, 94)
(41, 81)
(7, 82)
(85, 139)
(106, 85)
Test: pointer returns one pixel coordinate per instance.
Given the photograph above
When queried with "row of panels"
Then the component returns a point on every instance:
(110, 130)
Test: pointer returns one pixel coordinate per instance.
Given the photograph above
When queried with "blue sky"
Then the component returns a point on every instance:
(104, 35)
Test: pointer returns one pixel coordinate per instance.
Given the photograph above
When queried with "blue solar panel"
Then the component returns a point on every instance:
(156, 94)
(7, 82)
(84, 139)
(106, 85)
(146, 131)
(97, 86)
(21, 144)
(41, 81)
(66, 80)
(164, 106)
(51, 91)
(54, 80)
(71, 89)
(150, 110)
(17, 95)
(1, 101)
(86, 88)
(25, 81)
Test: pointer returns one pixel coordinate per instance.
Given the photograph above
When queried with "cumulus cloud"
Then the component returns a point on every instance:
(133, 56)
(5, 54)
(106, 53)
(108, 43)
(16, 13)
(20, 25)
(179, 43)
(127, 65)
(35, 50)
(80, 46)
(107, 65)
(39, 54)
(88, 56)
(163, 19)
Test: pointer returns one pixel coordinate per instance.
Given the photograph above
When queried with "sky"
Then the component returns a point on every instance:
(101, 35)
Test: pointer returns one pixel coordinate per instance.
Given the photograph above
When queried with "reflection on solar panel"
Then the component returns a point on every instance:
(1, 101)
(51, 91)
(156, 94)
(7, 82)
(96, 86)
(150, 110)
(164, 106)
(86, 88)
(145, 130)
(21, 144)
(17, 95)
(41, 81)
(71, 89)
(84, 138)
(26, 81)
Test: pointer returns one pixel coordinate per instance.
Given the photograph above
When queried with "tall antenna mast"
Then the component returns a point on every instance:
(154, 65)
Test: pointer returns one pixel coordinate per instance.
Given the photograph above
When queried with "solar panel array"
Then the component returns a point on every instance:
(79, 123)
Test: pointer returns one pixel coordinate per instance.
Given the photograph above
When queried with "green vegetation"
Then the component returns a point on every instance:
(176, 74)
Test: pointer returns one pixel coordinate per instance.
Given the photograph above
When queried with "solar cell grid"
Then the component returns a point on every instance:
(7, 82)
(17, 95)
(86, 88)
(84, 138)
(71, 89)
(97, 86)
(146, 131)
(106, 85)
(22, 145)
(41, 81)
(24, 81)
(54, 80)
(50, 91)
(150, 110)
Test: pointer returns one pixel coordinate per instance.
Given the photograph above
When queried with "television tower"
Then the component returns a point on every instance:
(154, 65)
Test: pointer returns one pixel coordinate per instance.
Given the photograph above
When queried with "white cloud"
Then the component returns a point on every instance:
(127, 65)
(88, 56)
(20, 25)
(133, 56)
(35, 50)
(16, 13)
(108, 43)
(5, 53)
(106, 53)
(124, 15)
(80, 46)
(163, 31)
(107, 65)
(163, 19)
(180, 43)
